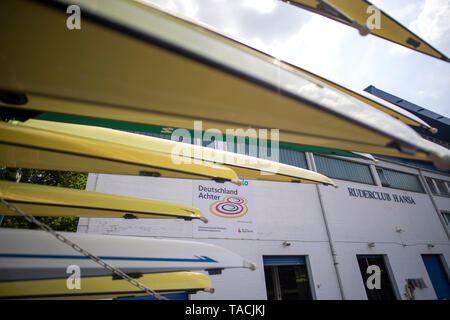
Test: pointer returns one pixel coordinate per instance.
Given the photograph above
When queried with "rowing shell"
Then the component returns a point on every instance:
(105, 287)
(27, 147)
(244, 166)
(382, 105)
(36, 255)
(356, 13)
(173, 71)
(39, 200)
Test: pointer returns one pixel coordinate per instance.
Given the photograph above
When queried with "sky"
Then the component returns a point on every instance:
(337, 52)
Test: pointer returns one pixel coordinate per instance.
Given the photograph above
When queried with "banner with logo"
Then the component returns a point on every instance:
(228, 208)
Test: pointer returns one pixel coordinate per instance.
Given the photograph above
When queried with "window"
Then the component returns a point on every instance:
(293, 158)
(342, 169)
(438, 187)
(242, 145)
(286, 156)
(383, 179)
(431, 185)
(376, 288)
(442, 187)
(399, 180)
(446, 216)
(286, 278)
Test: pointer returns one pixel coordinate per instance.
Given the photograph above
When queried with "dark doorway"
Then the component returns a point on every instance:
(367, 264)
(286, 278)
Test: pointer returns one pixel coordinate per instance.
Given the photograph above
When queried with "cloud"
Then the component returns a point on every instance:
(429, 19)
(404, 11)
(433, 22)
(316, 45)
(266, 20)
(261, 6)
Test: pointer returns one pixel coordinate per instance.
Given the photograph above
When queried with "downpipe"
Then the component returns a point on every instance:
(330, 242)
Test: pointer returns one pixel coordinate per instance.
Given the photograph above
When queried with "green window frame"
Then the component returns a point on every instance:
(286, 156)
(294, 158)
(343, 169)
(400, 180)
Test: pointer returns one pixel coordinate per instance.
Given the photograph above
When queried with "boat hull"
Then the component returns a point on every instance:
(37, 255)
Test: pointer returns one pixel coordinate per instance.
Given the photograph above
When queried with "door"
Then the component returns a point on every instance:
(286, 278)
(438, 276)
(378, 285)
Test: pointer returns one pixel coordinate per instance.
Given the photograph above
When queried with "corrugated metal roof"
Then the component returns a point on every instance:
(435, 120)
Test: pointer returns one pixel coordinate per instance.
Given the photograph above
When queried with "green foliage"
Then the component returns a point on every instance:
(74, 180)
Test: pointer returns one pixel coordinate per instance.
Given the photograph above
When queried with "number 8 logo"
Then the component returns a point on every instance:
(229, 207)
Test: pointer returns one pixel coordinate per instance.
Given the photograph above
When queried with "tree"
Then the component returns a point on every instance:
(74, 180)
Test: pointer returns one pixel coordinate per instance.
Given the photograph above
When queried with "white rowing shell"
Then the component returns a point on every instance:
(32, 255)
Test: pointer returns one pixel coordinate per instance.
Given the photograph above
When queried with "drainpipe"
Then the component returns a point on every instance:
(312, 166)
(428, 190)
(330, 242)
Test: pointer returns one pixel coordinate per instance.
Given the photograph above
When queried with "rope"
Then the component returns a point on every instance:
(77, 248)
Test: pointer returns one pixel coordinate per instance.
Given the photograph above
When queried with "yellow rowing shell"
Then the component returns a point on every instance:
(26, 147)
(244, 166)
(357, 13)
(137, 63)
(104, 287)
(41, 200)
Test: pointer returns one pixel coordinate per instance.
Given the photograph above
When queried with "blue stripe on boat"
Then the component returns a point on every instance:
(48, 256)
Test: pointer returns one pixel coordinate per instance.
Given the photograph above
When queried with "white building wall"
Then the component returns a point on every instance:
(400, 231)
(292, 212)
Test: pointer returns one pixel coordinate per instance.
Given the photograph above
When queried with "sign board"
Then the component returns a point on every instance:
(229, 209)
